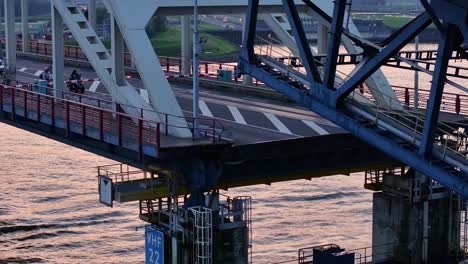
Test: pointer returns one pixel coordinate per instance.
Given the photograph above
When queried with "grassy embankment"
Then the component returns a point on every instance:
(168, 43)
(389, 20)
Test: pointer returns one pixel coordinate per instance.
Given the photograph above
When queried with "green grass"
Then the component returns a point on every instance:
(168, 44)
(392, 21)
(206, 26)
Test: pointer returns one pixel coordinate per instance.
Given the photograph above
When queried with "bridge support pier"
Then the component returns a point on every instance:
(226, 236)
(411, 226)
(25, 24)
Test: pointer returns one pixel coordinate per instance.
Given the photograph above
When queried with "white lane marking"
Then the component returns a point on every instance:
(247, 125)
(94, 86)
(144, 94)
(316, 127)
(237, 115)
(204, 109)
(277, 123)
(38, 73)
(22, 69)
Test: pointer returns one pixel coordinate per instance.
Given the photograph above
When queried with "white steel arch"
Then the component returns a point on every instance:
(126, 95)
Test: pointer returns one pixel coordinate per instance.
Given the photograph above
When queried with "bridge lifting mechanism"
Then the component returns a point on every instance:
(418, 140)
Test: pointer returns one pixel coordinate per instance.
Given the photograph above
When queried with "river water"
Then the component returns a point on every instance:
(49, 210)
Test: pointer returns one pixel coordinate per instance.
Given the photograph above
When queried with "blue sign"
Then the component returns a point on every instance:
(154, 246)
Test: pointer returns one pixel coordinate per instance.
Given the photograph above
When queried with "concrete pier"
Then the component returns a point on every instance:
(411, 227)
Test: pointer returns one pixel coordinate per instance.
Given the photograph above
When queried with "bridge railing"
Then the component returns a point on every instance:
(451, 102)
(120, 173)
(169, 64)
(451, 141)
(212, 126)
(105, 125)
(78, 118)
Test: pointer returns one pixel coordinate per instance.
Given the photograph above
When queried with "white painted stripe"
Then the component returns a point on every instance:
(38, 73)
(316, 127)
(237, 115)
(22, 69)
(94, 86)
(144, 94)
(204, 109)
(277, 123)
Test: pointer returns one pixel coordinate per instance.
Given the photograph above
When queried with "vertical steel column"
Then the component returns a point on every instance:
(57, 51)
(322, 40)
(25, 24)
(307, 58)
(118, 57)
(186, 45)
(92, 13)
(10, 35)
(446, 46)
(247, 79)
(247, 52)
(118, 53)
(335, 41)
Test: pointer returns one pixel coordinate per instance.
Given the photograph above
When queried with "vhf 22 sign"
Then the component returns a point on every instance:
(154, 245)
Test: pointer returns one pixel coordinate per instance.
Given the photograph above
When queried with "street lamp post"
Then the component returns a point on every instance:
(416, 72)
(196, 55)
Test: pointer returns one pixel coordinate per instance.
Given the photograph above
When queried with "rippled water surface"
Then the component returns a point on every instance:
(49, 209)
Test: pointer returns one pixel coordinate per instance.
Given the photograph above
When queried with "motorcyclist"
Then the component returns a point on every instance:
(75, 76)
(75, 86)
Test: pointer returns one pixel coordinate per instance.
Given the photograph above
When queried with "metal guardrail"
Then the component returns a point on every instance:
(122, 173)
(451, 102)
(169, 64)
(36, 106)
(215, 128)
(48, 109)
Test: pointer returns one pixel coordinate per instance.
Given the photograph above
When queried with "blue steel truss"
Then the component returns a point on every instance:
(331, 101)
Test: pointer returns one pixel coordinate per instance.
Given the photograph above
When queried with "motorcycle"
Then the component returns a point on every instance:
(76, 87)
(74, 84)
